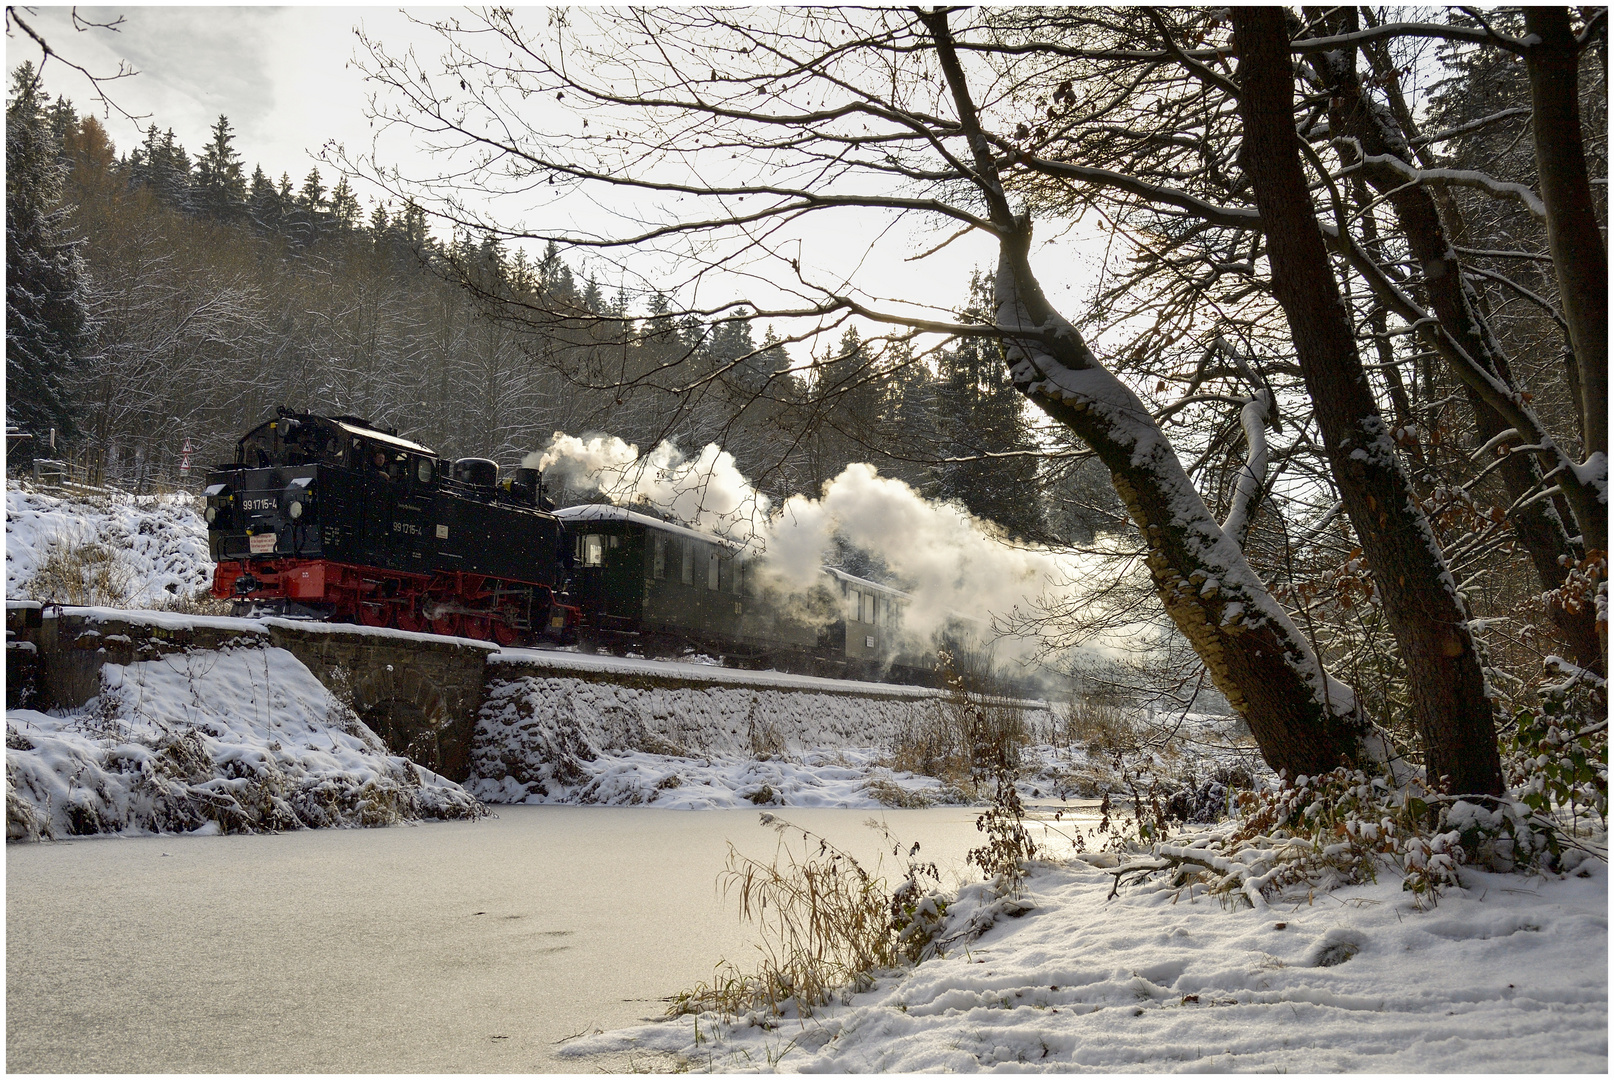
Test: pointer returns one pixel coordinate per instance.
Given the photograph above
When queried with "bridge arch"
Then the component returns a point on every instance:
(407, 710)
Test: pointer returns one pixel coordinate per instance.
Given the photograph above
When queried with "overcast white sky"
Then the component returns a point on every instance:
(281, 74)
(284, 76)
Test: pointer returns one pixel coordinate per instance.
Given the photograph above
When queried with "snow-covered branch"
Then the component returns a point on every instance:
(1252, 477)
(1469, 178)
(1472, 126)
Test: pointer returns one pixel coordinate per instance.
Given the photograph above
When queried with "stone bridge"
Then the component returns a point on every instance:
(420, 693)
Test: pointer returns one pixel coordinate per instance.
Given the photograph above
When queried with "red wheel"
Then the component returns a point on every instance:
(505, 634)
(374, 613)
(447, 624)
(410, 618)
(478, 626)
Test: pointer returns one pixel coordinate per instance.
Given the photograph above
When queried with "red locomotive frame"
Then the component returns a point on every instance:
(459, 604)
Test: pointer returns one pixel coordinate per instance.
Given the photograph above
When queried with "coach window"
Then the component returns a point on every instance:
(737, 575)
(593, 549)
(686, 572)
(711, 568)
(658, 557)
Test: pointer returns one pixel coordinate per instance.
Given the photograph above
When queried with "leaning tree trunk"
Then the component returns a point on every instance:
(1304, 721)
(1536, 523)
(1579, 258)
(1447, 686)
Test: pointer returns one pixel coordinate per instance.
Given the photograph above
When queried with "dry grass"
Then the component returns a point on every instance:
(201, 602)
(76, 571)
(932, 743)
(961, 743)
(894, 795)
(827, 925)
(1098, 726)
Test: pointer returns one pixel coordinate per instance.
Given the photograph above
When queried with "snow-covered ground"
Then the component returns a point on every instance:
(144, 551)
(237, 739)
(1506, 974)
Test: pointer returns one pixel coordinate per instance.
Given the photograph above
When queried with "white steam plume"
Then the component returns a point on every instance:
(946, 558)
(706, 493)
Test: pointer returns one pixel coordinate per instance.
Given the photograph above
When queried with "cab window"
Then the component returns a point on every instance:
(591, 549)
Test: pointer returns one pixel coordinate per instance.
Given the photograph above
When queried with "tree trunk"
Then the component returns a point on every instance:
(1579, 258)
(1537, 525)
(1304, 721)
(1447, 687)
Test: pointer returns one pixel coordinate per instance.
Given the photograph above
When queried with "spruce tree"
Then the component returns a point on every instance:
(46, 321)
(220, 189)
(344, 206)
(161, 164)
(981, 414)
(552, 271)
(306, 217)
(265, 207)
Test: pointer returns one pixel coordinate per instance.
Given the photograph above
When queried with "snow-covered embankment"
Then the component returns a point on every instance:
(1507, 974)
(624, 732)
(112, 548)
(241, 738)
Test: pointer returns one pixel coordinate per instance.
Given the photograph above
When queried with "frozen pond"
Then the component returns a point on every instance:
(448, 947)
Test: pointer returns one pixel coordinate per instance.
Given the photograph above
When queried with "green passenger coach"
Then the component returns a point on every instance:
(654, 587)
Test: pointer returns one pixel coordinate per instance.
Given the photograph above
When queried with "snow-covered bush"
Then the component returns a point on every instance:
(1316, 833)
(1557, 758)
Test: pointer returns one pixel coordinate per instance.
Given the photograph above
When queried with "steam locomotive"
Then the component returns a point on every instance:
(334, 518)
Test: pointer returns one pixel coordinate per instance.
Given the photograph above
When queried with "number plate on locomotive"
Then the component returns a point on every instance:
(263, 543)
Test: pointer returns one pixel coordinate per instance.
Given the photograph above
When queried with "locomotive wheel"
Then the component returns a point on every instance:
(477, 626)
(410, 618)
(447, 624)
(505, 634)
(373, 613)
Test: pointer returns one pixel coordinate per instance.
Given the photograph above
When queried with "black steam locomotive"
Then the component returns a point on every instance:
(334, 518)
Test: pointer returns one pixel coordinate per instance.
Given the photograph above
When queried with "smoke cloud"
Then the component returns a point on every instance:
(950, 561)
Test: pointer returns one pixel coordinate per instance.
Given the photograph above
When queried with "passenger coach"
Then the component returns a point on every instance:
(653, 586)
